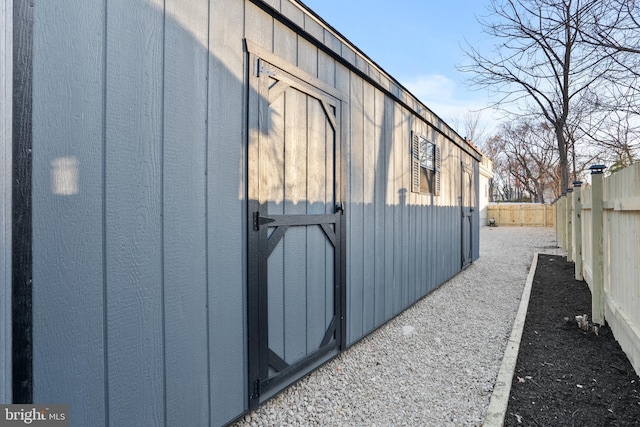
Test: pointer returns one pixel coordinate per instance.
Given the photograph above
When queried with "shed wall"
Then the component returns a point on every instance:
(6, 119)
(139, 217)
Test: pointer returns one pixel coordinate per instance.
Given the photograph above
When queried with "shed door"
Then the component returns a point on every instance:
(294, 231)
(467, 215)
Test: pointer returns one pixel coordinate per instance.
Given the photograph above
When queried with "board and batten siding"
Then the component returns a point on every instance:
(139, 211)
(6, 158)
(139, 199)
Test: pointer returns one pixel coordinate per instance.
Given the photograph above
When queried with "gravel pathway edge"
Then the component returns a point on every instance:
(500, 397)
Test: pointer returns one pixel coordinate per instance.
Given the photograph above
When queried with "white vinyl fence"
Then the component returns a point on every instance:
(599, 227)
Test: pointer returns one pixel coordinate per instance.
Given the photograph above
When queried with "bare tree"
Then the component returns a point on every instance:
(532, 158)
(613, 27)
(615, 137)
(499, 188)
(614, 122)
(539, 67)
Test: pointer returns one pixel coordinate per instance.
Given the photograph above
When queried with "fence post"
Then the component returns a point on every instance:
(569, 224)
(555, 216)
(562, 220)
(577, 227)
(597, 297)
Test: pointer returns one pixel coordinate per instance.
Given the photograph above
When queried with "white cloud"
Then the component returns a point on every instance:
(441, 95)
(431, 87)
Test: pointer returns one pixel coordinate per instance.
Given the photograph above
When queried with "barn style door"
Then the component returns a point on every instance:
(467, 204)
(295, 230)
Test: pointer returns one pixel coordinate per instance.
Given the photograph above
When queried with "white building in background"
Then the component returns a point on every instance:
(486, 174)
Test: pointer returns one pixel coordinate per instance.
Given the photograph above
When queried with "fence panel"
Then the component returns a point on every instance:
(521, 214)
(587, 249)
(621, 262)
(621, 254)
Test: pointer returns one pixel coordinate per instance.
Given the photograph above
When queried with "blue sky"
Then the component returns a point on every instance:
(419, 43)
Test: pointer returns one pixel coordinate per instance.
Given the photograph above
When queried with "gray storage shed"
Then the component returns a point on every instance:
(204, 200)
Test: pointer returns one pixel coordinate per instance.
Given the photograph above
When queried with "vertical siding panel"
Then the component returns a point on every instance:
(456, 203)
(441, 245)
(424, 240)
(133, 224)
(430, 234)
(331, 163)
(307, 57)
(226, 209)
(418, 259)
(447, 216)
(431, 244)
(404, 186)
(295, 241)
(327, 73)
(68, 284)
(326, 68)
(185, 279)
(435, 247)
(272, 167)
(6, 208)
(257, 26)
(285, 42)
(380, 171)
(356, 212)
(398, 201)
(317, 275)
(317, 252)
(450, 208)
(368, 220)
(313, 28)
(412, 238)
(342, 83)
(445, 259)
(449, 256)
(476, 213)
(390, 208)
(433, 203)
(292, 12)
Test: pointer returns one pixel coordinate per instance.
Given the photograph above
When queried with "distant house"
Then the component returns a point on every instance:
(204, 200)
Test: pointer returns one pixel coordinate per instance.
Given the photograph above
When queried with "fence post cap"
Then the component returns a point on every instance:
(577, 183)
(564, 193)
(569, 190)
(597, 169)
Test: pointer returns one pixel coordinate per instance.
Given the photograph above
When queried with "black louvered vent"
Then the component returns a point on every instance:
(437, 171)
(415, 163)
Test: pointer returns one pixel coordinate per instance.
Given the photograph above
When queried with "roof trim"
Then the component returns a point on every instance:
(276, 14)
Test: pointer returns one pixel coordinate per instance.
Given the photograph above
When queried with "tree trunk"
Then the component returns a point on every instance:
(564, 162)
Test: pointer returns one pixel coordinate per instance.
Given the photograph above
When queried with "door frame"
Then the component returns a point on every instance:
(256, 294)
(467, 208)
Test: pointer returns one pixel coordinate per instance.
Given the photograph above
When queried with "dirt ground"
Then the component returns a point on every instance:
(566, 376)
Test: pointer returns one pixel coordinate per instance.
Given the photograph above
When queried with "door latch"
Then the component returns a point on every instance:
(340, 208)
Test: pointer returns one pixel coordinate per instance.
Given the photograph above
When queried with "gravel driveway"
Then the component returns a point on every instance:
(436, 363)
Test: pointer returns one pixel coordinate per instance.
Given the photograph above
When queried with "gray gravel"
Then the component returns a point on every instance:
(436, 363)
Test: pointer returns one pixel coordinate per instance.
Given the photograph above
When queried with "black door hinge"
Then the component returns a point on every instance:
(260, 220)
(256, 388)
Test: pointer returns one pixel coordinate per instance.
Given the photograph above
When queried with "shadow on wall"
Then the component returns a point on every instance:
(139, 210)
